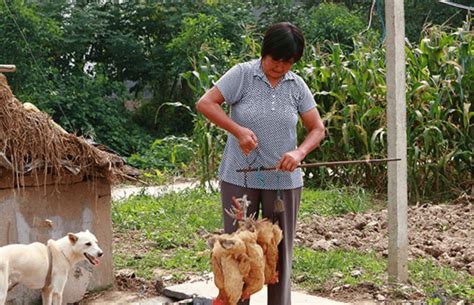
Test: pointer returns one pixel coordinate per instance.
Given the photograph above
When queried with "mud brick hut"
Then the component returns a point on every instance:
(52, 183)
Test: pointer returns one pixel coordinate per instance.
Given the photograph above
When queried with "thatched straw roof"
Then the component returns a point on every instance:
(32, 144)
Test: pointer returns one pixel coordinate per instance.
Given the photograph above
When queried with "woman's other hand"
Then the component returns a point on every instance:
(315, 127)
(210, 106)
(290, 160)
(247, 140)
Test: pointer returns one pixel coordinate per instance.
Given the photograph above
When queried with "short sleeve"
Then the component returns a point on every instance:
(231, 84)
(307, 101)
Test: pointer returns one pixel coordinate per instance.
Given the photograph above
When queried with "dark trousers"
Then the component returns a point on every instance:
(279, 293)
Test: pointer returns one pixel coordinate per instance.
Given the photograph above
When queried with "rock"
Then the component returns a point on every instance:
(328, 235)
(336, 289)
(434, 251)
(338, 274)
(373, 223)
(355, 243)
(128, 273)
(321, 245)
(470, 268)
(379, 297)
(360, 225)
(158, 284)
(356, 273)
(456, 247)
(468, 257)
(300, 278)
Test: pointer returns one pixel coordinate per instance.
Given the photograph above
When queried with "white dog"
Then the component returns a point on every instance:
(46, 267)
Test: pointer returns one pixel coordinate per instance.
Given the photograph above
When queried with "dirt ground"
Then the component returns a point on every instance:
(443, 232)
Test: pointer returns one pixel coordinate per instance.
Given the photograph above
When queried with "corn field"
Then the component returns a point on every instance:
(350, 90)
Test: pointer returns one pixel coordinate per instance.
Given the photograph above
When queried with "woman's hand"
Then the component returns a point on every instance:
(313, 123)
(290, 160)
(247, 140)
(210, 106)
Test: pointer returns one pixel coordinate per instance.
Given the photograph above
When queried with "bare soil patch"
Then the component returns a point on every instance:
(443, 232)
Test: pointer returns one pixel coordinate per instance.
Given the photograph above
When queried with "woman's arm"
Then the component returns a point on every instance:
(210, 106)
(315, 127)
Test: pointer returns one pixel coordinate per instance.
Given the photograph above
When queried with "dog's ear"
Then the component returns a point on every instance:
(72, 238)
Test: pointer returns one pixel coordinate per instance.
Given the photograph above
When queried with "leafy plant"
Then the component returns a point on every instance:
(351, 94)
(332, 22)
(171, 153)
(208, 138)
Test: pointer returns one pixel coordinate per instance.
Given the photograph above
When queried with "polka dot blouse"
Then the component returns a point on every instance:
(272, 114)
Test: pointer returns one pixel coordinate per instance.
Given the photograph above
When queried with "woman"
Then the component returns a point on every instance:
(265, 100)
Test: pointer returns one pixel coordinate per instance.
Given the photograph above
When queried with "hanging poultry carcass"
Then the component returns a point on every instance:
(257, 267)
(230, 264)
(255, 279)
(269, 236)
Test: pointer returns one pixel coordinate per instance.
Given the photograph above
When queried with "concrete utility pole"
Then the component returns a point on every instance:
(397, 146)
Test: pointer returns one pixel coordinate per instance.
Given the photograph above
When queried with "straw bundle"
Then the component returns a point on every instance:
(31, 143)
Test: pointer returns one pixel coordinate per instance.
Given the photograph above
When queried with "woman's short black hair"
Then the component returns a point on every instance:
(283, 41)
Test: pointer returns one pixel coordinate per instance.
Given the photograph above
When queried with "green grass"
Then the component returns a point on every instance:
(172, 220)
(181, 260)
(173, 230)
(319, 270)
(335, 202)
(322, 271)
(174, 224)
(440, 281)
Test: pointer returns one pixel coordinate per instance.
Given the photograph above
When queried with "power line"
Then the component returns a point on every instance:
(469, 8)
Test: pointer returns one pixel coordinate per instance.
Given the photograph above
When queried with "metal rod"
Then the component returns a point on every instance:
(312, 165)
(7, 68)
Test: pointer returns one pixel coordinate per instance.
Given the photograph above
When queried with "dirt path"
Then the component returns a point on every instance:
(125, 191)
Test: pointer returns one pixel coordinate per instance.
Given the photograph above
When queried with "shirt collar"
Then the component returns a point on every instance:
(258, 71)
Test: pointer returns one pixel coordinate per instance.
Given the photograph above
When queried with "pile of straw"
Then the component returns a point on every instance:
(31, 143)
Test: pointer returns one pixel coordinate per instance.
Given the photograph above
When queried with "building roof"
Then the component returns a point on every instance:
(31, 143)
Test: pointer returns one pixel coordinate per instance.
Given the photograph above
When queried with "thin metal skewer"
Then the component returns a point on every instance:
(312, 165)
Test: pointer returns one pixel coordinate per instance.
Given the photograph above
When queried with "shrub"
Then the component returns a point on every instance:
(333, 22)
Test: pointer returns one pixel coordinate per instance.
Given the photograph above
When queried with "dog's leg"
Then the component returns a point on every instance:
(46, 295)
(3, 282)
(57, 297)
(57, 292)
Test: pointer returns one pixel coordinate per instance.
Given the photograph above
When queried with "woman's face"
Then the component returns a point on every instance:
(275, 69)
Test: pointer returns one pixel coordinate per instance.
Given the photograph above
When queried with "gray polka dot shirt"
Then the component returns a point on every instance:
(272, 114)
